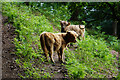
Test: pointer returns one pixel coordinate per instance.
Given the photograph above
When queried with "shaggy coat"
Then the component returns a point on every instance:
(56, 42)
(79, 29)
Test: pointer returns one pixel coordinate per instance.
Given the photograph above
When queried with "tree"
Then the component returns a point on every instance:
(97, 13)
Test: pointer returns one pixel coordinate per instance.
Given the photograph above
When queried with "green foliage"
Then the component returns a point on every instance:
(91, 58)
(54, 12)
(111, 41)
(96, 14)
(28, 27)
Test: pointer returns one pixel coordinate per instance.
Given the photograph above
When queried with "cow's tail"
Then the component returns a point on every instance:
(42, 41)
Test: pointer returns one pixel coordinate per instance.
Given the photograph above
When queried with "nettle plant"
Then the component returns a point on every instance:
(111, 41)
(90, 59)
(28, 29)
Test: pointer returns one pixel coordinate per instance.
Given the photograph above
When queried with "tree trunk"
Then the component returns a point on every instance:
(115, 28)
(75, 14)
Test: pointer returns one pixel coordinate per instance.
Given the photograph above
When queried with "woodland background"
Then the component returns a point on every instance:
(95, 57)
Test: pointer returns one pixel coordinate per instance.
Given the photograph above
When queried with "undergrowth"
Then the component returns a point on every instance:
(91, 58)
(111, 41)
(53, 14)
(28, 28)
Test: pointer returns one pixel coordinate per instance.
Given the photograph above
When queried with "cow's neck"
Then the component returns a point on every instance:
(66, 39)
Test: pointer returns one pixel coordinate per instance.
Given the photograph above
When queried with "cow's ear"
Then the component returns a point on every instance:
(60, 21)
(68, 24)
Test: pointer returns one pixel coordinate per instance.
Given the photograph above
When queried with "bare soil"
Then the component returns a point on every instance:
(9, 67)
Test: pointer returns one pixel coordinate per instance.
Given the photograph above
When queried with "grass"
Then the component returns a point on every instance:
(91, 58)
(28, 27)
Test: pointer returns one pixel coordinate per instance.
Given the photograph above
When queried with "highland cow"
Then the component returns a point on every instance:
(79, 29)
(56, 42)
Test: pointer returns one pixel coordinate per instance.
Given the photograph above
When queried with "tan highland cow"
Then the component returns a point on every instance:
(51, 42)
(79, 29)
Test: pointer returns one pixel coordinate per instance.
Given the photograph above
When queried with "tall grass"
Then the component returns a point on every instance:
(91, 59)
(28, 28)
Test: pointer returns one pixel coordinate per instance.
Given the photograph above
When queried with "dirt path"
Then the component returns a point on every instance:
(58, 69)
(9, 67)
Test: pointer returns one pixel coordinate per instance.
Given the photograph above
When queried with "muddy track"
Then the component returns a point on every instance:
(9, 67)
(58, 69)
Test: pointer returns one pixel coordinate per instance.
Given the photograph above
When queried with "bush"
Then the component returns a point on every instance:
(54, 12)
(28, 27)
(91, 59)
(111, 41)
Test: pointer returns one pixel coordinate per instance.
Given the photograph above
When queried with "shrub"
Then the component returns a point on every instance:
(91, 59)
(28, 27)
